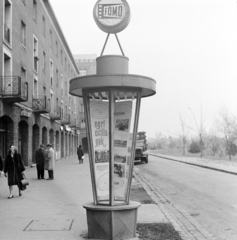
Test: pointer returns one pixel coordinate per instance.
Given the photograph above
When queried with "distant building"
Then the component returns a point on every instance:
(36, 66)
(86, 63)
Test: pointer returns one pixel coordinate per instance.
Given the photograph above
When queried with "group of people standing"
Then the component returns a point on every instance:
(45, 159)
(13, 166)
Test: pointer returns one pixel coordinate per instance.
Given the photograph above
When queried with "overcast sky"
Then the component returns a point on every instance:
(188, 46)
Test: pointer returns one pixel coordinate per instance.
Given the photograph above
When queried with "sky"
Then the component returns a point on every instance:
(188, 46)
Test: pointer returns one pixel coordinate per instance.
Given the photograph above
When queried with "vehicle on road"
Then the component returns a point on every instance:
(140, 155)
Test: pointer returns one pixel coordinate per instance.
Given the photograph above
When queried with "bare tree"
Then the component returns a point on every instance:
(227, 125)
(213, 142)
(184, 133)
(199, 127)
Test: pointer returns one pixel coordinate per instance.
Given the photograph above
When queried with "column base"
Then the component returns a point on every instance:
(112, 222)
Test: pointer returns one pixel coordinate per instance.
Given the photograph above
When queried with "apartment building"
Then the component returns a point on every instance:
(86, 63)
(36, 65)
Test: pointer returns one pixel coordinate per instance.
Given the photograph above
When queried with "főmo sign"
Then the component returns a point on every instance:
(112, 16)
(110, 11)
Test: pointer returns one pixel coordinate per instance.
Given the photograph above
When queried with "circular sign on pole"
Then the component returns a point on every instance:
(112, 16)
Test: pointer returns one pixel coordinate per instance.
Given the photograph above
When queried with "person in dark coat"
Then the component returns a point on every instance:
(40, 161)
(80, 154)
(1, 165)
(13, 170)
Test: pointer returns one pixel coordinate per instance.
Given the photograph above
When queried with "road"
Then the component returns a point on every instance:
(208, 196)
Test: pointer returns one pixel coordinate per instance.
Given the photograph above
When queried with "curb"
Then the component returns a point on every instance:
(194, 164)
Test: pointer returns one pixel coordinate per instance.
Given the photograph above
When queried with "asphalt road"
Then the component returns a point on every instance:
(207, 195)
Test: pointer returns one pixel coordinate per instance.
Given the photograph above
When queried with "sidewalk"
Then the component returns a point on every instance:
(54, 209)
(48, 209)
(218, 165)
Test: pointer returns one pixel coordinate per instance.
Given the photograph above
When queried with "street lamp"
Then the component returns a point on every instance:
(112, 99)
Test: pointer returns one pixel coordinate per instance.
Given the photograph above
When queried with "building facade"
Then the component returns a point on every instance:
(36, 65)
(86, 63)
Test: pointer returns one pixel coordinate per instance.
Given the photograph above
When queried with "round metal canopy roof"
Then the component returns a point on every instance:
(148, 85)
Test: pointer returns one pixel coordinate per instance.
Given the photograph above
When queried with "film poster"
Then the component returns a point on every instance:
(99, 112)
(122, 122)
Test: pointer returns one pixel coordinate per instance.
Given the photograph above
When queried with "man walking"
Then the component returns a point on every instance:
(50, 159)
(40, 161)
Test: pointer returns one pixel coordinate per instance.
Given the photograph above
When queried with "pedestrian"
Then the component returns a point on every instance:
(13, 170)
(40, 160)
(1, 165)
(50, 160)
(80, 154)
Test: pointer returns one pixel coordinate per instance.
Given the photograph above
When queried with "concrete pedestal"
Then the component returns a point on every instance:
(112, 222)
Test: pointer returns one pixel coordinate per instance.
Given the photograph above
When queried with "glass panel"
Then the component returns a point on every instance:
(124, 113)
(99, 120)
(111, 154)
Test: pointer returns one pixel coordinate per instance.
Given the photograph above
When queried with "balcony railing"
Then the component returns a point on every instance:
(73, 124)
(13, 89)
(7, 35)
(66, 120)
(41, 104)
(55, 114)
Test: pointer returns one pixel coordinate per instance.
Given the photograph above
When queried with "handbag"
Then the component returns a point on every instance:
(24, 181)
(83, 157)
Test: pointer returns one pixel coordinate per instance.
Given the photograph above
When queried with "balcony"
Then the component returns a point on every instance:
(73, 124)
(55, 114)
(40, 104)
(7, 35)
(66, 120)
(13, 89)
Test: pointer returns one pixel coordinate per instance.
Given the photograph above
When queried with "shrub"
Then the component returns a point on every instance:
(194, 147)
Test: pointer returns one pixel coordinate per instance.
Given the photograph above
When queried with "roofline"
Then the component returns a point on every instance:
(60, 32)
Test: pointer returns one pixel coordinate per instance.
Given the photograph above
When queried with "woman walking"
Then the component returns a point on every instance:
(13, 170)
(80, 154)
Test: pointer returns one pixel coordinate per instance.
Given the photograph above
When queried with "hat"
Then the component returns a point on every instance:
(42, 145)
(49, 145)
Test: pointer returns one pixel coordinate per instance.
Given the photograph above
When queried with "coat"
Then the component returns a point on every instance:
(49, 159)
(14, 168)
(1, 163)
(40, 158)
(80, 153)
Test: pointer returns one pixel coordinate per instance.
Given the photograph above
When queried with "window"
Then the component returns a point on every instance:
(35, 88)
(23, 81)
(65, 92)
(56, 48)
(7, 21)
(23, 74)
(51, 38)
(57, 78)
(62, 57)
(44, 61)
(43, 25)
(35, 10)
(82, 72)
(51, 100)
(51, 72)
(35, 55)
(62, 109)
(62, 86)
(81, 107)
(44, 90)
(23, 33)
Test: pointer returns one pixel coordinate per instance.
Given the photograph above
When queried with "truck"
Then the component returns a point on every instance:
(141, 147)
